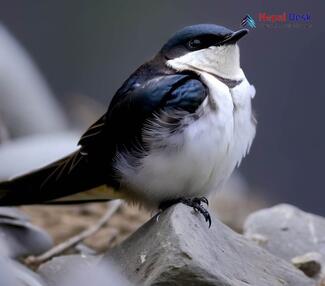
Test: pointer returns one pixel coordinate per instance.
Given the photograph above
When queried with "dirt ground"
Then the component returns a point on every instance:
(62, 222)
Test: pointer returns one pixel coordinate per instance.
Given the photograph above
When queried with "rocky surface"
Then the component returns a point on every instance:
(13, 273)
(56, 271)
(18, 237)
(178, 248)
(292, 234)
(288, 231)
(82, 271)
(282, 246)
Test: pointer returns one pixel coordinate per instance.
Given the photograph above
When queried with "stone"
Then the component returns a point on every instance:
(18, 237)
(4, 134)
(27, 104)
(15, 274)
(291, 234)
(56, 271)
(288, 231)
(81, 270)
(178, 248)
(13, 213)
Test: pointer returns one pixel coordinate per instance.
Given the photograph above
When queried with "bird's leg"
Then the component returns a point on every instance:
(195, 203)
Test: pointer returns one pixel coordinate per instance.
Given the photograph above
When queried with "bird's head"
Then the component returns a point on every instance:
(205, 47)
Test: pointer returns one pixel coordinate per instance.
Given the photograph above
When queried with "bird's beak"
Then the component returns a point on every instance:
(234, 37)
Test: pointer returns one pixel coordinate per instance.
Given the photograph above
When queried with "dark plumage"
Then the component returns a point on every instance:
(154, 97)
(149, 90)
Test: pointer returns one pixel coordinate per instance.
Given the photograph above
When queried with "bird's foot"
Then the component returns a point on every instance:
(195, 203)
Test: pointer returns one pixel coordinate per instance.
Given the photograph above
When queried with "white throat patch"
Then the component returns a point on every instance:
(222, 61)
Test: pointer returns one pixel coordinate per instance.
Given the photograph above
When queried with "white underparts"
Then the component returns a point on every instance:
(209, 148)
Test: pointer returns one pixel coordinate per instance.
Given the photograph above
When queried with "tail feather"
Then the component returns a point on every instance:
(72, 179)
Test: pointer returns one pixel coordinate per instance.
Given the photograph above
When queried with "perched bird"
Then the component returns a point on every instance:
(173, 132)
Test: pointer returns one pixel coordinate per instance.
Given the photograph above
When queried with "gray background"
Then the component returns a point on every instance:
(90, 47)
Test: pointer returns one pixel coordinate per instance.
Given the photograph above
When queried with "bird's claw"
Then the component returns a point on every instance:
(195, 203)
(199, 208)
(201, 200)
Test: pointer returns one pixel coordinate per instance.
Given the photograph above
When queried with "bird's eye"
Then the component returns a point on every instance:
(194, 44)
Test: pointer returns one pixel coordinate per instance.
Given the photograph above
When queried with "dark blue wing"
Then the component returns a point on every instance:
(187, 96)
(142, 99)
(136, 102)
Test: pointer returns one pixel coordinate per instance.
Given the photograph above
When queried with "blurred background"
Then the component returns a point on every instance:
(80, 52)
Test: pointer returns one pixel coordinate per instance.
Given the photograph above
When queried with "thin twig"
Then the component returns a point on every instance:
(113, 206)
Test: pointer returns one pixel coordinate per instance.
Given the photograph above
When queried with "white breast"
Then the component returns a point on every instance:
(212, 146)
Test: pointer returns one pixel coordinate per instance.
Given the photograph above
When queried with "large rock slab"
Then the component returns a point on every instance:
(178, 248)
(292, 234)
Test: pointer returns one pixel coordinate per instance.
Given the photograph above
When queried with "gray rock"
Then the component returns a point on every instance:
(15, 274)
(290, 233)
(18, 237)
(178, 248)
(4, 134)
(56, 271)
(24, 94)
(80, 270)
(13, 213)
(288, 230)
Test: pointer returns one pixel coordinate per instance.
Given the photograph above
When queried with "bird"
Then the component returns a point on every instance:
(173, 132)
